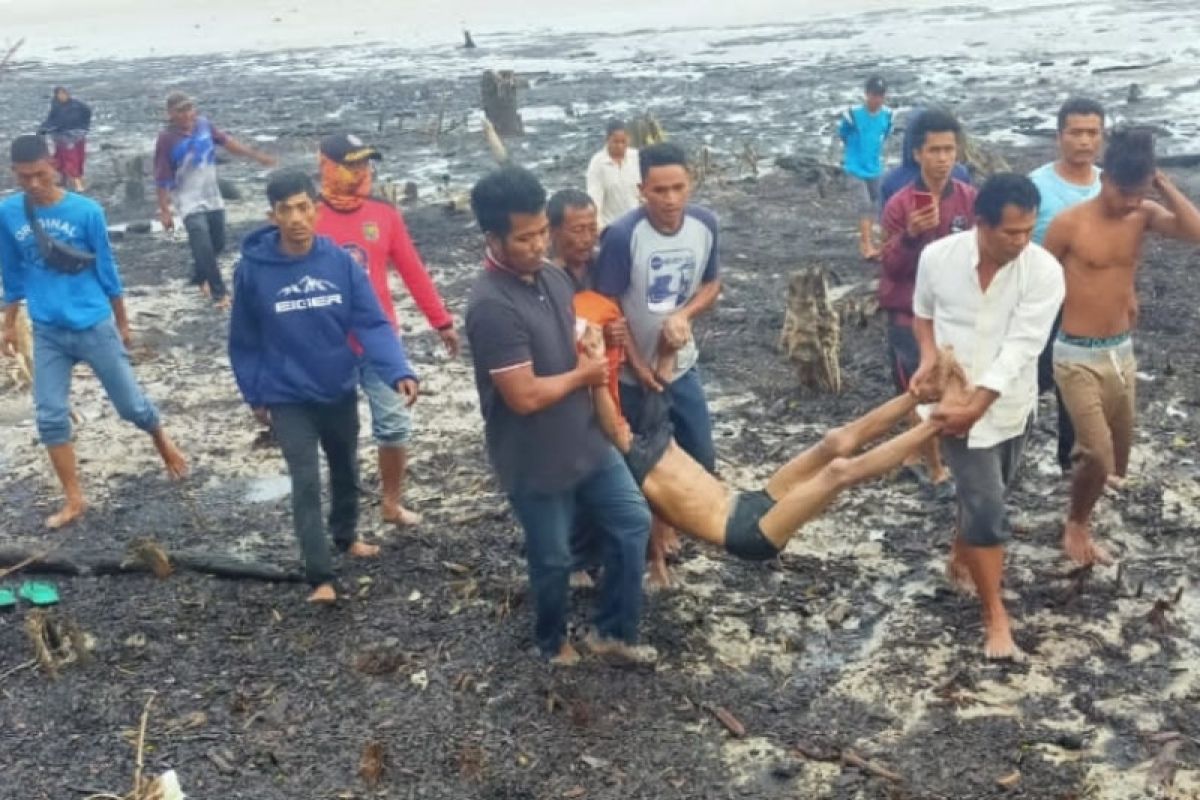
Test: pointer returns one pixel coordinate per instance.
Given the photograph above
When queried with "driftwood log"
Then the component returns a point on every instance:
(144, 560)
(499, 90)
(644, 130)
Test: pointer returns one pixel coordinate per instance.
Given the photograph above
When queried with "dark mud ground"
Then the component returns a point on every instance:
(260, 697)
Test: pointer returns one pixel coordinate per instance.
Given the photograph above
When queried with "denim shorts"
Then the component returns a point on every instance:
(391, 419)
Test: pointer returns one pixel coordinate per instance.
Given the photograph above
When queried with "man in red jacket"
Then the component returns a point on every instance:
(374, 233)
(933, 206)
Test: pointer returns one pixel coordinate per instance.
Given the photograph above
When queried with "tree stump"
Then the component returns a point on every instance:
(644, 131)
(500, 102)
(133, 174)
(812, 331)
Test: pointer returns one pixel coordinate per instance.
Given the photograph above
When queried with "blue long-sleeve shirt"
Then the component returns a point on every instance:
(75, 302)
(292, 319)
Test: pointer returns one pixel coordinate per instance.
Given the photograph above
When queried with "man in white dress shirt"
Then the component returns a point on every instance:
(614, 175)
(992, 295)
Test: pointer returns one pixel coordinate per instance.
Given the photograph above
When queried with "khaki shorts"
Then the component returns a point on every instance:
(1098, 382)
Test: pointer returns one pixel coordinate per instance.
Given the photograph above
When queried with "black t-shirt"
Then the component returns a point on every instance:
(511, 322)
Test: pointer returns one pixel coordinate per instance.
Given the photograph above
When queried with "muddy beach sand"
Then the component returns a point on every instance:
(851, 640)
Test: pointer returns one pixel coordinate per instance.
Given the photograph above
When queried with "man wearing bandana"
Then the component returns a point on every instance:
(374, 233)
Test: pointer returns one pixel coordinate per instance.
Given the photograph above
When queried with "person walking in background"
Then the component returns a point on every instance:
(67, 125)
(185, 171)
(613, 176)
(863, 130)
(374, 234)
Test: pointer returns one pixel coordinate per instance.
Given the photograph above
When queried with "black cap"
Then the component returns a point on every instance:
(346, 148)
(876, 85)
(29, 148)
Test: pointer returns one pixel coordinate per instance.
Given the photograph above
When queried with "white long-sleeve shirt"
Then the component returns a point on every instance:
(613, 187)
(997, 335)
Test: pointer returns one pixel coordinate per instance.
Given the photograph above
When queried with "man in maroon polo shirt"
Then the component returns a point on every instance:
(933, 206)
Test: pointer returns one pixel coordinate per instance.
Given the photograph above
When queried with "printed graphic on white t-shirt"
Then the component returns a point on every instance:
(670, 280)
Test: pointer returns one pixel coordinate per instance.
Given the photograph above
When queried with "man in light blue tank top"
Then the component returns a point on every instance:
(1071, 179)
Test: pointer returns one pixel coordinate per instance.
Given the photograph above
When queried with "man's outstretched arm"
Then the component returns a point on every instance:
(245, 151)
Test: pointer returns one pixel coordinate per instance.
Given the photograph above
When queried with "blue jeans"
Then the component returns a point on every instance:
(689, 416)
(391, 419)
(56, 351)
(611, 498)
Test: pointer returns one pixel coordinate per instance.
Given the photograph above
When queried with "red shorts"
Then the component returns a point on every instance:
(69, 158)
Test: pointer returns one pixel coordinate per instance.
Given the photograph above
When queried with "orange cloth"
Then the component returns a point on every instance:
(600, 310)
(342, 188)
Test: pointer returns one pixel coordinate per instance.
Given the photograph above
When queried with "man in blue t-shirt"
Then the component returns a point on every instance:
(56, 259)
(863, 130)
(1071, 179)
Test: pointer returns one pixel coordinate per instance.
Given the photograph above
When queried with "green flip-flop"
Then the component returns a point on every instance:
(8, 599)
(38, 593)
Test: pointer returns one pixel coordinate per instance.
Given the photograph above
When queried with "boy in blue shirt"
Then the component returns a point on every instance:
(863, 130)
(303, 309)
(77, 312)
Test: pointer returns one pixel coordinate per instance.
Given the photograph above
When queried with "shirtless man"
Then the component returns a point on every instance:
(1099, 243)
(757, 526)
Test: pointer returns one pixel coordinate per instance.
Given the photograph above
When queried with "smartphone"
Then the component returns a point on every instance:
(924, 200)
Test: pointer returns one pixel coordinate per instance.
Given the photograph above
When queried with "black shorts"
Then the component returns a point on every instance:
(652, 432)
(743, 537)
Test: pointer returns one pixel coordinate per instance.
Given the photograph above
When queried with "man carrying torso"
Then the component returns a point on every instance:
(1099, 243)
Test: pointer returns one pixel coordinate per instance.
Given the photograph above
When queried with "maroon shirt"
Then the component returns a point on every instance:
(901, 253)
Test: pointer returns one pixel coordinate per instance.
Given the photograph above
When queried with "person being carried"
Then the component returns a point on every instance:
(185, 172)
(1099, 243)
(298, 298)
(757, 525)
(374, 234)
(864, 130)
(67, 126)
(573, 235)
(56, 258)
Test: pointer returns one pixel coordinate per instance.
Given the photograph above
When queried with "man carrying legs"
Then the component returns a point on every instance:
(992, 296)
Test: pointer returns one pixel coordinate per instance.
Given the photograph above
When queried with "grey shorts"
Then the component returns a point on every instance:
(982, 478)
(865, 192)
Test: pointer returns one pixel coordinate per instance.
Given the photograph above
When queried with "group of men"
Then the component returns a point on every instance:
(595, 415)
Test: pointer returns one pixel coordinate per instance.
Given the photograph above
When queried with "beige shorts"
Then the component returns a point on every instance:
(1098, 385)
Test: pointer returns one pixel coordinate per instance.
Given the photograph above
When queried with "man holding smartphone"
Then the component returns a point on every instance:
(932, 207)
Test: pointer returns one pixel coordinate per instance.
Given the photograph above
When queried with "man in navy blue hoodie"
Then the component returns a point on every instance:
(302, 308)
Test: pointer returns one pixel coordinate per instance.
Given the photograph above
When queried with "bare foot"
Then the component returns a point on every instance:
(1080, 547)
(361, 549)
(399, 515)
(998, 643)
(1115, 482)
(620, 652)
(960, 577)
(580, 579)
(658, 574)
(323, 595)
(223, 304)
(205, 291)
(567, 656)
(176, 464)
(873, 253)
(72, 510)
